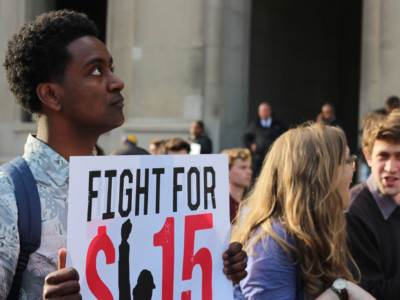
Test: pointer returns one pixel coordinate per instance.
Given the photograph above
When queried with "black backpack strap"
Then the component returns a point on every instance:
(29, 215)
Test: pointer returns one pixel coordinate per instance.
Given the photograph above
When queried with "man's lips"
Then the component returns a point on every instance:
(118, 102)
(390, 180)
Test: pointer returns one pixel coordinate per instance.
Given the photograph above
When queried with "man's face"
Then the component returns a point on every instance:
(327, 112)
(195, 129)
(240, 173)
(153, 149)
(264, 111)
(385, 167)
(90, 93)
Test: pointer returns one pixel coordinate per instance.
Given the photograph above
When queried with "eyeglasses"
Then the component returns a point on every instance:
(352, 160)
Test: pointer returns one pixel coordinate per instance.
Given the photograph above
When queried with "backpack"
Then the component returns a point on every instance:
(29, 216)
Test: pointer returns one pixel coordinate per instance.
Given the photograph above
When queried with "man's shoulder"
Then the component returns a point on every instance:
(8, 205)
(6, 188)
(362, 202)
(358, 191)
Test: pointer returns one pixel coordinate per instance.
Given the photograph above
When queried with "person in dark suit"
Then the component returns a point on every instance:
(328, 116)
(260, 135)
(198, 136)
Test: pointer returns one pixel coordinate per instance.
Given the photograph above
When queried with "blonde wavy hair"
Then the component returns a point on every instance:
(297, 187)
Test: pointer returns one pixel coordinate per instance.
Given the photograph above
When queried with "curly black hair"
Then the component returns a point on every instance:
(38, 53)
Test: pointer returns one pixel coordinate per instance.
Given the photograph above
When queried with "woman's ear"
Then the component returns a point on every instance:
(47, 93)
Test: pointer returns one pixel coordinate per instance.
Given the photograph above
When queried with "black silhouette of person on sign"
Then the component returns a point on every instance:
(144, 287)
(123, 262)
(145, 283)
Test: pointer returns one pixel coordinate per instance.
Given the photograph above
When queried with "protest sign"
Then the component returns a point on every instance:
(149, 227)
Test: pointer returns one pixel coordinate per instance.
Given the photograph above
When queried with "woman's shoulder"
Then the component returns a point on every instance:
(267, 244)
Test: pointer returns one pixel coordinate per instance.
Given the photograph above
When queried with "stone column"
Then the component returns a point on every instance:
(226, 71)
(390, 49)
(380, 54)
(370, 57)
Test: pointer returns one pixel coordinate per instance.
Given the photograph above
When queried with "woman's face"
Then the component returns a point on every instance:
(345, 174)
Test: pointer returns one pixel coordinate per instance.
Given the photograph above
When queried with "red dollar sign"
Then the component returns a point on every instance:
(100, 242)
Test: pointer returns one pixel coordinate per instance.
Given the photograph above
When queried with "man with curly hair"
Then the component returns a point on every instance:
(62, 73)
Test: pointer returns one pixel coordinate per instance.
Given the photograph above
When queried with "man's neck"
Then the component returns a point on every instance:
(63, 141)
(236, 192)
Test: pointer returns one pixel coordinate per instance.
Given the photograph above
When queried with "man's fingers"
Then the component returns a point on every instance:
(236, 272)
(235, 263)
(233, 249)
(62, 275)
(234, 255)
(233, 269)
(237, 277)
(65, 290)
(62, 258)
(69, 297)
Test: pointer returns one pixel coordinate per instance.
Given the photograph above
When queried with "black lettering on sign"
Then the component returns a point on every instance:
(158, 172)
(193, 171)
(92, 193)
(125, 212)
(110, 174)
(176, 188)
(209, 189)
(142, 190)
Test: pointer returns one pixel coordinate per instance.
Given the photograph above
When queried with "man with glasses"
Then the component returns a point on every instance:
(373, 217)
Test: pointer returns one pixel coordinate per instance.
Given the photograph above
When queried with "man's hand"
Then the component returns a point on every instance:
(63, 283)
(235, 262)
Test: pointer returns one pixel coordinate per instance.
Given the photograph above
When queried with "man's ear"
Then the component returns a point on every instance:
(47, 93)
(367, 158)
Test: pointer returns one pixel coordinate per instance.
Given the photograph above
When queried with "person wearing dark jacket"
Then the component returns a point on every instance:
(260, 135)
(373, 217)
(328, 116)
(198, 136)
(129, 147)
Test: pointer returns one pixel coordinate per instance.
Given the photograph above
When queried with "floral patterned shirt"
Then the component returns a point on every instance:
(51, 172)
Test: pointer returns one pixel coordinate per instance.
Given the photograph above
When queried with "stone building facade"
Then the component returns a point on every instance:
(184, 60)
(180, 60)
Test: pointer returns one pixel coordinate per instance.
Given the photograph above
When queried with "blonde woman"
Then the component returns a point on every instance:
(292, 222)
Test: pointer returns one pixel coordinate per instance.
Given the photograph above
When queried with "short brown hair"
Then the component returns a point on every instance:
(377, 127)
(235, 153)
(177, 144)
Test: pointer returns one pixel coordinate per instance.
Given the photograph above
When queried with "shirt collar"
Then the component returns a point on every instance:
(267, 122)
(47, 160)
(386, 204)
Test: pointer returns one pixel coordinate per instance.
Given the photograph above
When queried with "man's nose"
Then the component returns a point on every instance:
(392, 165)
(115, 83)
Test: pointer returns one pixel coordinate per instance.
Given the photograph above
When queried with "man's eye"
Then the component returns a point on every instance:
(96, 71)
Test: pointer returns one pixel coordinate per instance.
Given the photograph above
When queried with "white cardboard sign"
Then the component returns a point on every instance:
(149, 227)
